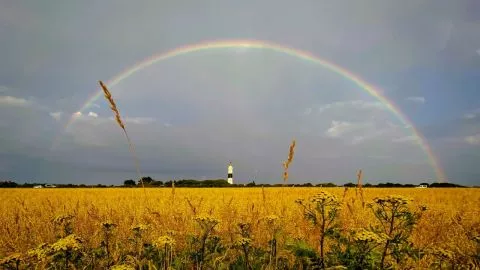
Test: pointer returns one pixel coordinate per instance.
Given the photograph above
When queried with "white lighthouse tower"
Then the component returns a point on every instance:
(230, 173)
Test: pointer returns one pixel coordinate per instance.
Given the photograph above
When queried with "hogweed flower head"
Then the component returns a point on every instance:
(139, 228)
(61, 219)
(40, 252)
(369, 237)
(206, 222)
(242, 242)
(392, 200)
(324, 198)
(71, 243)
(272, 219)
(163, 241)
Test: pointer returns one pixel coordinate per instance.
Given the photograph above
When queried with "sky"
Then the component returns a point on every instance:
(189, 115)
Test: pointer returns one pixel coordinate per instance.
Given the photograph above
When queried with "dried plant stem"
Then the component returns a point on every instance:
(359, 186)
(118, 119)
(286, 164)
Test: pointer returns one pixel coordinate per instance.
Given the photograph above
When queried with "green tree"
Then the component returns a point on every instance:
(129, 182)
(146, 180)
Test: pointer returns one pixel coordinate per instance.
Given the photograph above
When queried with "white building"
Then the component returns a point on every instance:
(230, 173)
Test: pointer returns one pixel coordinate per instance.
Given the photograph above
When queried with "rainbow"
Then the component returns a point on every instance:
(256, 44)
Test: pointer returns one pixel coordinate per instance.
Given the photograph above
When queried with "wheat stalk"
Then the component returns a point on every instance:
(118, 119)
(359, 185)
(286, 164)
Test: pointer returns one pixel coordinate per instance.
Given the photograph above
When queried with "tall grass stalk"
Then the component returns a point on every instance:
(289, 160)
(118, 119)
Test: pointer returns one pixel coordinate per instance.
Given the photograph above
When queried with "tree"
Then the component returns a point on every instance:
(251, 184)
(146, 180)
(349, 184)
(129, 182)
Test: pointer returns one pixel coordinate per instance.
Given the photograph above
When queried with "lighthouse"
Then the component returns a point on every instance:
(230, 173)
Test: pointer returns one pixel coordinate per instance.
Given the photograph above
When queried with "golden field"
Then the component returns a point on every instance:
(451, 220)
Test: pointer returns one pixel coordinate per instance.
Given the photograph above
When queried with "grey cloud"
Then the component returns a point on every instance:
(189, 115)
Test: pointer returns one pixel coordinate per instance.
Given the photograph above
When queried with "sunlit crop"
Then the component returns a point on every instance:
(289, 227)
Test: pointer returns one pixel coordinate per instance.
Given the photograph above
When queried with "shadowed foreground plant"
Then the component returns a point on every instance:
(207, 224)
(165, 245)
(358, 250)
(244, 242)
(107, 229)
(274, 228)
(396, 223)
(63, 225)
(321, 211)
(68, 249)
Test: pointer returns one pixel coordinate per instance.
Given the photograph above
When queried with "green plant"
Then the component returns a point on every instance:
(321, 211)
(396, 222)
(207, 225)
(358, 250)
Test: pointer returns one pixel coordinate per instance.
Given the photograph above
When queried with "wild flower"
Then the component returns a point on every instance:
(40, 252)
(163, 241)
(69, 243)
(206, 219)
(61, 219)
(64, 221)
(392, 200)
(324, 198)
(140, 228)
(271, 219)
(243, 241)
(368, 236)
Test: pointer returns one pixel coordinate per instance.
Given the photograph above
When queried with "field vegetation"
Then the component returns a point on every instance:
(240, 228)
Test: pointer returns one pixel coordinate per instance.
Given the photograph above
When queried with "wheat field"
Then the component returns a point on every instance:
(30, 217)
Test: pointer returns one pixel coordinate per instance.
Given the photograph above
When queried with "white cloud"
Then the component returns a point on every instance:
(474, 139)
(410, 138)
(56, 115)
(139, 120)
(14, 101)
(93, 114)
(419, 100)
(339, 128)
(77, 114)
(357, 104)
(472, 114)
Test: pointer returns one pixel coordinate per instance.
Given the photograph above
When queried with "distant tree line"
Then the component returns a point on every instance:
(150, 182)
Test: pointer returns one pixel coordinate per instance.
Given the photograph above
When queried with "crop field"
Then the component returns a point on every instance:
(239, 228)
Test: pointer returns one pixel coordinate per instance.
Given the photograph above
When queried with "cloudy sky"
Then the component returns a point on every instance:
(189, 115)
